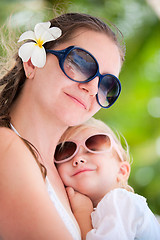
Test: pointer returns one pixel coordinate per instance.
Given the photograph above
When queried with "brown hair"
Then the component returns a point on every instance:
(13, 80)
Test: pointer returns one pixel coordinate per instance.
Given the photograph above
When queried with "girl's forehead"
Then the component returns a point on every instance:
(82, 134)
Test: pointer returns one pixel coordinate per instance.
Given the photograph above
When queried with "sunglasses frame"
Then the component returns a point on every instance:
(62, 54)
(82, 143)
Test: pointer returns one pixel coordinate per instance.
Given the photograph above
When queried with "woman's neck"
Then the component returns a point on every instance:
(43, 132)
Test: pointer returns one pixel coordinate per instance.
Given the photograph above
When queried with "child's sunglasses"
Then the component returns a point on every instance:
(98, 143)
(81, 66)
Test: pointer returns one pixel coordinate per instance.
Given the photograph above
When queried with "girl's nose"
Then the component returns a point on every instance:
(78, 161)
(91, 87)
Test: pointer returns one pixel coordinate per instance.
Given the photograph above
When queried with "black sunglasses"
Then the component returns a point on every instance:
(81, 66)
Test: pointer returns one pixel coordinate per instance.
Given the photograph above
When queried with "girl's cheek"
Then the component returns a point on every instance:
(59, 169)
(62, 169)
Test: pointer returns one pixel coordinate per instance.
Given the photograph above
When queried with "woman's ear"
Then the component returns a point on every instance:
(124, 171)
(29, 69)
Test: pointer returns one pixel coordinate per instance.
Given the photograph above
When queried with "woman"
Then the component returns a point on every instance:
(52, 85)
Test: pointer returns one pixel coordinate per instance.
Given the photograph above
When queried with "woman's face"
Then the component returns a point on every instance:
(70, 102)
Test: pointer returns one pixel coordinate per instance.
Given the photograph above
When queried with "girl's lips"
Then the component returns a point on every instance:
(81, 171)
(78, 100)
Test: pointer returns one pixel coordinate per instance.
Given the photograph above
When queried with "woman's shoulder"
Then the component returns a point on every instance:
(6, 134)
(14, 151)
(18, 166)
(8, 139)
(16, 160)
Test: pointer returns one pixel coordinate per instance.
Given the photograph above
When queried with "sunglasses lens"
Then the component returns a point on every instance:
(98, 143)
(109, 90)
(79, 65)
(64, 151)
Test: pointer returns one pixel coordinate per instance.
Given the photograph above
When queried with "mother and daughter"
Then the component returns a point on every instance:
(61, 76)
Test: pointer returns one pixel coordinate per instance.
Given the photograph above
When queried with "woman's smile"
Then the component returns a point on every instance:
(79, 101)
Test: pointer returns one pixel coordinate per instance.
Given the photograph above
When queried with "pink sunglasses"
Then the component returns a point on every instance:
(98, 143)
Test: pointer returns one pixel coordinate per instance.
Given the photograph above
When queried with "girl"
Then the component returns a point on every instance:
(92, 161)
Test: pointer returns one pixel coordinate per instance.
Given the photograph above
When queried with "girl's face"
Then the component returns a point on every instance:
(70, 102)
(90, 173)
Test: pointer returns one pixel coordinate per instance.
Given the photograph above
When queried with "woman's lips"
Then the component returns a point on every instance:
(78, 100)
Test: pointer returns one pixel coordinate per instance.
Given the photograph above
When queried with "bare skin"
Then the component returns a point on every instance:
(41, 115)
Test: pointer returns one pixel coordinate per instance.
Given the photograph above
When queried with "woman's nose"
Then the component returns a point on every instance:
(91, 87)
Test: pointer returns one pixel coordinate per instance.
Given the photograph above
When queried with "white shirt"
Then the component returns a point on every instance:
(63, 213)
(60, 209)
(123, 215)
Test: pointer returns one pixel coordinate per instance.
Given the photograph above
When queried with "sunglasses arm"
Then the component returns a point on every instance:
(59, 53)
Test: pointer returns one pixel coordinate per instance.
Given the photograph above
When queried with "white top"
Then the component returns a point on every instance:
(123, 215)
(62, 212)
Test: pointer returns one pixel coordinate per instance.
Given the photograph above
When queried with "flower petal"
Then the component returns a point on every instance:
(52, 34)
(26, 50)
(27, 35)
(34, 50)
(40, 28)
(38, 58)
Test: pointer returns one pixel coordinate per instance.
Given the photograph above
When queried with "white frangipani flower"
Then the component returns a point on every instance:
(35, 50)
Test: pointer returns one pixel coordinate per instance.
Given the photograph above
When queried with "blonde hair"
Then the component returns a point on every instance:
(102, 127)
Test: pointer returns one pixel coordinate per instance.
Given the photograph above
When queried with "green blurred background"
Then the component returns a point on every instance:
(136, 114)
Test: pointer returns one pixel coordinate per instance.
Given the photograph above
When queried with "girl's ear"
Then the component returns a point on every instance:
(29, 69)
(124, 172)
